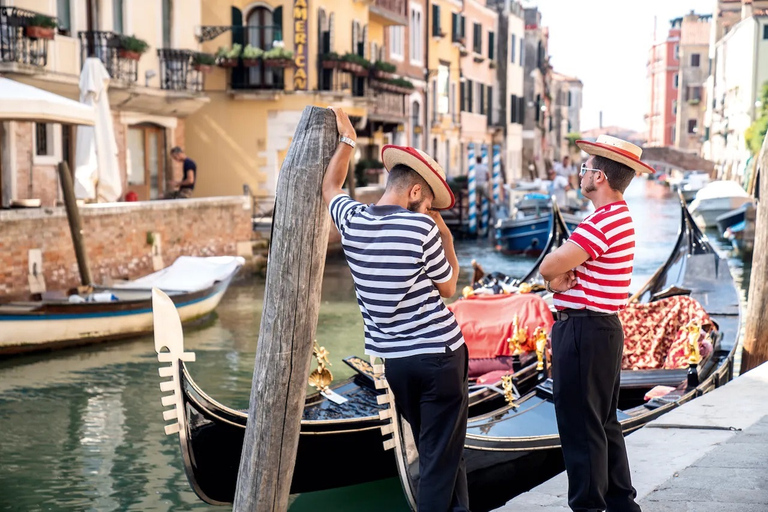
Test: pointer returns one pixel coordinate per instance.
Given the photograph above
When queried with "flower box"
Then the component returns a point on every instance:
(35, 32)
(228, 63)
(279, 63)
(128, 54)
(203, 68)
(251, 63)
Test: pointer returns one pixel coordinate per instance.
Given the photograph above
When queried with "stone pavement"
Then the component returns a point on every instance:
(704, 468)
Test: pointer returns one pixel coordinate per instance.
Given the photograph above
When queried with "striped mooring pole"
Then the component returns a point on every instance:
(485, 209)
(472, 185)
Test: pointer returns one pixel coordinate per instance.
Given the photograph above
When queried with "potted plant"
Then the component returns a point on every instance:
(492, 64)
(227, 58)
(331, 60)
(278, 57)
(383, 70)
(40, 26)
(203, 62)
(131, 47)
(355, 64)
(401, 85)
(251, 55)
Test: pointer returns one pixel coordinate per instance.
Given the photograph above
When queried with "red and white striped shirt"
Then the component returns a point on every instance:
(602, 282)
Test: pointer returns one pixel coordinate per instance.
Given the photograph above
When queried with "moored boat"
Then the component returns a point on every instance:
(59, 319)
(716, 199)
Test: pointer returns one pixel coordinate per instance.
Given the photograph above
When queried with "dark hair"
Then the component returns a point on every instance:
(617, 174)
(176, 150)
(403, 177)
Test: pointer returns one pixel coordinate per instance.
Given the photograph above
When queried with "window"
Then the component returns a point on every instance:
(491, 45)
(436, 32)
(117, 16)
(64, 15)
(765, 32)
(674, 107)
(416, 37)
(416, 124)
(477, 46)
(47, 143)
(676, 80)
(167, 16)
(489, 109)
(695, 60)
(513, 109)
(513, 49)
(43, 139)
(522, 52)
(455, 27)
(677, 52)
(693, 94)
(468, 86)
(482, 98)
(692, 126)
(397, 42)
(452, 105)
(443, 78)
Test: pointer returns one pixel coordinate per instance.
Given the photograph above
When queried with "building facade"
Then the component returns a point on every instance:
(150, 93)
(691, 100)
(663, 78)
(537, 152)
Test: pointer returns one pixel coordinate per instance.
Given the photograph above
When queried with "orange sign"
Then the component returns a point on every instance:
(300, 44)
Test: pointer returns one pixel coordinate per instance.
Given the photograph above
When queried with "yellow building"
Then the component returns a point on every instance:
(149, 97)
(242, 136)
(444, 78)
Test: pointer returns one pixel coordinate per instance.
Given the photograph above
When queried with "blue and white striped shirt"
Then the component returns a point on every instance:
(395, 257)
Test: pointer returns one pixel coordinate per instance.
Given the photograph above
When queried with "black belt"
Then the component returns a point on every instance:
(567, 313)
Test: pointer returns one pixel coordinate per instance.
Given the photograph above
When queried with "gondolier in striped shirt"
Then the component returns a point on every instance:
(590, 276)
(402, 260)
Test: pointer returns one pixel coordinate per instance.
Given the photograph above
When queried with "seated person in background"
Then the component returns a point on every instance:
(187, 183)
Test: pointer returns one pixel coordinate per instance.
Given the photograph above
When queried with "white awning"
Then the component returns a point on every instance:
(22, 102)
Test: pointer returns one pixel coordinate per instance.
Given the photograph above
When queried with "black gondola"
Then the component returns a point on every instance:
(211, 434)
(509, 450)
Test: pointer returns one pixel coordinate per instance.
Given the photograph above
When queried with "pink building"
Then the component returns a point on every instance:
(663, 76)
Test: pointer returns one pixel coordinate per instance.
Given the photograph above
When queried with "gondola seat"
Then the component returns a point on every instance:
(487, 323)
(654, 334)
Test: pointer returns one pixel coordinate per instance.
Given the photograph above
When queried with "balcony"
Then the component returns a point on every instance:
(178, 72)
(105, 46)
(387, 107)
(16, 45)
(389, 12)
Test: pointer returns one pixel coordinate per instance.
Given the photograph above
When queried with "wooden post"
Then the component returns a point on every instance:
(755, 349)
(288, 322)
(75, 224)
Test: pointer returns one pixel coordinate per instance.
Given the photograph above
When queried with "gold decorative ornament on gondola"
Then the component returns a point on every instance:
(519, 337)
(540, 335)
(321, 377)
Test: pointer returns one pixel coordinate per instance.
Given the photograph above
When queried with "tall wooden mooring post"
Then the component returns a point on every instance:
(289, 319)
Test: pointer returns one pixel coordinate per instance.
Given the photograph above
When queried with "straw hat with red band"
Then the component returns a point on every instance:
(617, 150)
(427, 168)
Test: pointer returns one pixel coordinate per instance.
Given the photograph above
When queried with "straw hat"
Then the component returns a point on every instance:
(617, 150)
(426, 166)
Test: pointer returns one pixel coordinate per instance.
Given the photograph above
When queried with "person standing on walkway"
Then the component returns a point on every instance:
(402, 260)
(590, 277)
(189, 175)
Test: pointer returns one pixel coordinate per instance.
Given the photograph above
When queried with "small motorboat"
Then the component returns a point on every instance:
(715, 199)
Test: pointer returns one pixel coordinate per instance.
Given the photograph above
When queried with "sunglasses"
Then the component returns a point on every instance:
(584, 170)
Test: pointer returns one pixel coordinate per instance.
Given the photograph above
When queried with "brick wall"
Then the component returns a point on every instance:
(116, 238)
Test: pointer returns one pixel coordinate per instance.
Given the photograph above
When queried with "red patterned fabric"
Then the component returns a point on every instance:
(486, 321)
(654, 336)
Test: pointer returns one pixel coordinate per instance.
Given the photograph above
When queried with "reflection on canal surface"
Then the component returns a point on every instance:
(82, 429)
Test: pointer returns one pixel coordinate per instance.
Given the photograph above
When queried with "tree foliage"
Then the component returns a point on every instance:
(755, 134)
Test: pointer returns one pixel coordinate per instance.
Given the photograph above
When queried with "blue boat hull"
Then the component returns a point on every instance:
(527, 235)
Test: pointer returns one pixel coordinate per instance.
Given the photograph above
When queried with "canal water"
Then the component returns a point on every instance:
(82, 429)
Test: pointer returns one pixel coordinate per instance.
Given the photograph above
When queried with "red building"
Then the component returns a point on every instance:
(663, 78)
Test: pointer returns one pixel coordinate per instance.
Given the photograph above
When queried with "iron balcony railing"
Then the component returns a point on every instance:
(178, 71)
(15, 45)
(105, 46)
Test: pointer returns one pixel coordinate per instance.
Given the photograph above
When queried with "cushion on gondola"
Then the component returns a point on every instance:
(654, 334)
(487, 322)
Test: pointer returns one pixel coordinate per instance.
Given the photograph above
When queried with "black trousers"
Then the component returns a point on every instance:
(431, 393)
(586, 368)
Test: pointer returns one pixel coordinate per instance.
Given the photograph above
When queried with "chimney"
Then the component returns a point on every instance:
(601, 119)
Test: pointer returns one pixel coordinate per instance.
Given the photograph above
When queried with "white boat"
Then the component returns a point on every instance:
(195, 284)
(715, 199)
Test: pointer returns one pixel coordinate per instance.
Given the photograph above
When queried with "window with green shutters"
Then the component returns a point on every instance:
(436, 21)
(478, 38)
(491, 45)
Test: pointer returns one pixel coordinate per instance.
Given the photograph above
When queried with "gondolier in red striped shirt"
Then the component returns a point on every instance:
(590, 276)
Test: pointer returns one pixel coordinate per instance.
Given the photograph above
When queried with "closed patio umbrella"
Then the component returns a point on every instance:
(97, 175)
